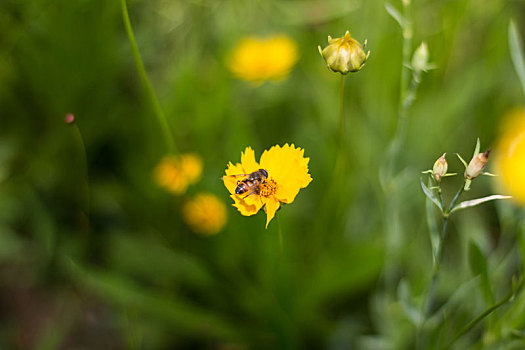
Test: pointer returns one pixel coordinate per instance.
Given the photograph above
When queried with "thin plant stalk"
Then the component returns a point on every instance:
(435, 271)
(486, 313)
(341, 113)
(79, 140)
(280, 233)
(387, 171)
(159, 113)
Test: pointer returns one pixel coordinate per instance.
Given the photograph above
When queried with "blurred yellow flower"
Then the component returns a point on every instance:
(176, 172)
(510, 155)
(205, 214)
(286, 173)
(257, 60)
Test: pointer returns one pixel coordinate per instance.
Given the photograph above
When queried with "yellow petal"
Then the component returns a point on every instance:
(248, 161)
(249, 205)
(272, 204)
(248, 165)
(231, 181)
(289, 168)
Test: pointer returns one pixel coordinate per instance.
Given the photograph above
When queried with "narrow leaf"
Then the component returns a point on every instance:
(516, 53)
(392, 11)
(430, 195)
(462, 160)
(478, 265)
(476, 150)
(474, 202)
(405, 297)
(433, 232)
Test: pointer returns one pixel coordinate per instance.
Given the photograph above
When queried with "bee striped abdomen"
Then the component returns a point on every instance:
(241, 188)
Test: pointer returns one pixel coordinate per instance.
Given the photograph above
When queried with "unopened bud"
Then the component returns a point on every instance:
(476, 165)
(440, 168)
(420, 58)
(69, 118)
(344, 54)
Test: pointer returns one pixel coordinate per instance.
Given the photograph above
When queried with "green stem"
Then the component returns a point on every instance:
(82, 148)
(435, 271)
(161, 118)
(454, 200)
(485, 313)
(407, 90)
(341, 113)
(280, 233)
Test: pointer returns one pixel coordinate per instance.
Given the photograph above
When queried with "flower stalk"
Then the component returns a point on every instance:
(159, 113)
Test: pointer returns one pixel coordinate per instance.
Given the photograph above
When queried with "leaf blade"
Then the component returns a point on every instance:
(478, 201)
(516, 53)
(430, 195)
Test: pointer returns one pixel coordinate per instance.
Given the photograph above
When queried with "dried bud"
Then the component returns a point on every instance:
(344, 54)
(476, 165)
(440, 168)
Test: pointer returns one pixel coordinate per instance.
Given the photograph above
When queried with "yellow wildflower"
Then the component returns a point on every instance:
(205, 214)
(510, 155)
(287, 172)
(176, 173)
(258, 60)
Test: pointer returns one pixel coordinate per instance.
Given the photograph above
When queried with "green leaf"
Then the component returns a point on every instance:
(395, 14)
(488, 174)
(462, 160)
(407, 303)
(474, 202)
(478, 265)
(478, 146)
(430, 195)
(433, 232)
(516, 53)
(172, 309)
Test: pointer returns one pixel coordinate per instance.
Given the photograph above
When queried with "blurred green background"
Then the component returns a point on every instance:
(100, 258)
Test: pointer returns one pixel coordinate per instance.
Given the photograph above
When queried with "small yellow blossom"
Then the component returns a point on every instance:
(510, 156)
(176, 173)
(205, 214)
(257, 60)
(344, 54)
(287, 170)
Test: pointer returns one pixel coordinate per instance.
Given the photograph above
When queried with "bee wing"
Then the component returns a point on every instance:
(236, 175)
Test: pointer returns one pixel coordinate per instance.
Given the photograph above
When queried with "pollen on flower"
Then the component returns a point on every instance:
(268, 188)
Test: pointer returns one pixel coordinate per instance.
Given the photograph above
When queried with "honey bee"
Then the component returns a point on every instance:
(251, 184)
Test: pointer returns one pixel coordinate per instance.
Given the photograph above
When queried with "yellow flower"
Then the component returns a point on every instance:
(257, 60)
(205, 214)
(510, 155)
(176, 173)
(287, 170)
(344, 54)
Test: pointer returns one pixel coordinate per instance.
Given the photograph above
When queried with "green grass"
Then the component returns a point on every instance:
(102, 258)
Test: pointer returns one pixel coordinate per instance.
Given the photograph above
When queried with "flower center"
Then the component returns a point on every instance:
(268, 188)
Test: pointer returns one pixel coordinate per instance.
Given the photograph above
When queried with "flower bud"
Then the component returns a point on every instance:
(440, 168)
(476, 165)
(344, 54)
(420, 58)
